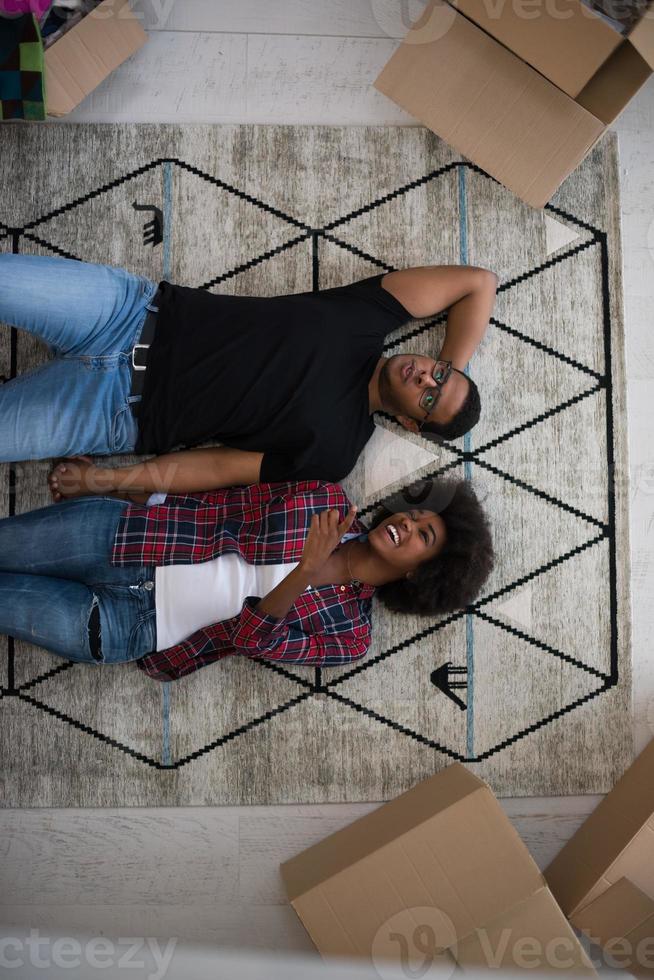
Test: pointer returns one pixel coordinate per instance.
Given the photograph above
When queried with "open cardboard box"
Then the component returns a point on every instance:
(603, 878)
(524, 97)
(621, 921)
(83, 57)
(438, 873)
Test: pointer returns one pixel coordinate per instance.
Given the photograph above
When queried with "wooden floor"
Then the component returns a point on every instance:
(212, 873)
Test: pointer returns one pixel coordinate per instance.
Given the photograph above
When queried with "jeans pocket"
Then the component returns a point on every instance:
(143, 637)
(124, 430)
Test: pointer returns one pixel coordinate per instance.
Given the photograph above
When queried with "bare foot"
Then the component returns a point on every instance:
(72, 478)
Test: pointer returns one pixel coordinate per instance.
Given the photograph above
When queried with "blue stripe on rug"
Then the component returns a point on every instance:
(167, 218)
(467, 469)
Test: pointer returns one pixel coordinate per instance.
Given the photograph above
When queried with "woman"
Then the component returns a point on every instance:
(282, 571)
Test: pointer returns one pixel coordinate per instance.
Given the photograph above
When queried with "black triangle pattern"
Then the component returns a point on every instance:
(318, 685)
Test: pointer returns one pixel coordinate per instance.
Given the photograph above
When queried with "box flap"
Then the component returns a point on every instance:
(461, 867)
(567, 42)
(488, 104)
(642, 38)
(377, 829)
(583, 864)
(533, 935)
(615, 84)
(617, 912)
(635, 862)
(623, 912)
(86, 54)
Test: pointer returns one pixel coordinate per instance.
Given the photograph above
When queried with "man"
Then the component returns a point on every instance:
(287, 384)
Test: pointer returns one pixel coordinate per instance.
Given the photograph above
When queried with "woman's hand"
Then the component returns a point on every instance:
(73, 477)
(325, 533)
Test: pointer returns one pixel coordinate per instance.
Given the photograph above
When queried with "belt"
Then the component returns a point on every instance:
(141, 350)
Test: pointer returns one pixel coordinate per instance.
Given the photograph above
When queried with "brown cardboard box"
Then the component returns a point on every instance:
(567, 48)
(621, 921)
(617, 841)
(500, 112)
(439, 871)
(84, 56)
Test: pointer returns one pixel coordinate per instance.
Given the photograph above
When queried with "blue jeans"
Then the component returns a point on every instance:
(54, 570)
(90, 316)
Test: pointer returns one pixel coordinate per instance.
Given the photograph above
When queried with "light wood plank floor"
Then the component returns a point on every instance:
(212, 873)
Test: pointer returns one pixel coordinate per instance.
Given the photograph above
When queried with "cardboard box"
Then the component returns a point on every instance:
(500, 112)
(617, 841)
(86, 54)
(621, 921)
(568, 48)
(441, 870)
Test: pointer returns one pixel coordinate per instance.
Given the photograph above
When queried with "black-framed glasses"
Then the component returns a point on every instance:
(430, 396)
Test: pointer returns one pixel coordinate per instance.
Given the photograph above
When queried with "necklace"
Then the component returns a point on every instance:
(353, 580)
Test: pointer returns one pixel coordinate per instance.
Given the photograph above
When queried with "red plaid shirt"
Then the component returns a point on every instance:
(266, 523)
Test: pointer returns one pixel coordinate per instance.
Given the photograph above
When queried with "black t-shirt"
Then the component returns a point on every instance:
(286, 376)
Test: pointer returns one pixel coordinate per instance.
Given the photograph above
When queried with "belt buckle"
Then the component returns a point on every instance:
(139, 367)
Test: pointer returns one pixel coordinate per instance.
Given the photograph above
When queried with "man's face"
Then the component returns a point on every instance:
(402, 384)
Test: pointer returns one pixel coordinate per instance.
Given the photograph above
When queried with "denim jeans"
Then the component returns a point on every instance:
(54, 570)
(90, 316)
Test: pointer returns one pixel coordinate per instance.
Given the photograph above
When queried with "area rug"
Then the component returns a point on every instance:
(530, 686)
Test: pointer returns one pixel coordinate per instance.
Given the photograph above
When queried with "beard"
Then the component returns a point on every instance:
(386, 389)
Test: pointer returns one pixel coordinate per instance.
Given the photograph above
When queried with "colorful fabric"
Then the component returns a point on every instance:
(16, 7)
(265, 523)
(22, 83)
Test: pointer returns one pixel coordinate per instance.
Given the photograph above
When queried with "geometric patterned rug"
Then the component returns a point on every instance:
(531, 685)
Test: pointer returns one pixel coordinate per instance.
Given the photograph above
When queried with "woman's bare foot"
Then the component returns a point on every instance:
(73, 477)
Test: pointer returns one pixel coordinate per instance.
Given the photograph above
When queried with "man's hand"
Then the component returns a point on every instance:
(325, 533)
(467, 292)
(79, 477)
(74, 477)
(189, 471)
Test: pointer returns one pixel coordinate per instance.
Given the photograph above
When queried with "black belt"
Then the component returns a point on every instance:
(141, 350)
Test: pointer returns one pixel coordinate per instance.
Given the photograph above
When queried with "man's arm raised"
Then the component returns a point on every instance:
(467, 292)
(189, 471)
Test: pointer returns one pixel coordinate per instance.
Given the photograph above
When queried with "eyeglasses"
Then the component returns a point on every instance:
(430, 397)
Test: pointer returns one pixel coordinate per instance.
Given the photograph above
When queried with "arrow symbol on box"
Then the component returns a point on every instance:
(442, 678)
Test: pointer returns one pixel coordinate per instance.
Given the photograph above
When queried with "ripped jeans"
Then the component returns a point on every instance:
(55, 570)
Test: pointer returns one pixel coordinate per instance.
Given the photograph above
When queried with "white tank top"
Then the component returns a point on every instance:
(189, 597)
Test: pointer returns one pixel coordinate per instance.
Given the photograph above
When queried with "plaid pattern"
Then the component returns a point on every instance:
(22, 85)
(265, 523)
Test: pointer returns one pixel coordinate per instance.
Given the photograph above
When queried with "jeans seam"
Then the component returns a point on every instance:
(123, 352)
(88, 358)
(123, 410)
(141, 322)
(137, 333)
(144, 619)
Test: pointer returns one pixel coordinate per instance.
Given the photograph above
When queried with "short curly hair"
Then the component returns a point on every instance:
(454, 578)
(464, 420)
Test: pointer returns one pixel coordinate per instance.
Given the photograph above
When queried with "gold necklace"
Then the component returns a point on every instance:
(353, 580)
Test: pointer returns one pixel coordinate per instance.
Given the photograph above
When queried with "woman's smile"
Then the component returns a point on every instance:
(393, 534)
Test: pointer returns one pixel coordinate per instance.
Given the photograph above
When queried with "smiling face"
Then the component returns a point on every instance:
(403, 381)
(406, 539)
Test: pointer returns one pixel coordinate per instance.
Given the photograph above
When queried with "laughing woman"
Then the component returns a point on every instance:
(281, 571)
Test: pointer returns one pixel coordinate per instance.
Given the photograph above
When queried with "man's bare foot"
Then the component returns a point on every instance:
(73, 478)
